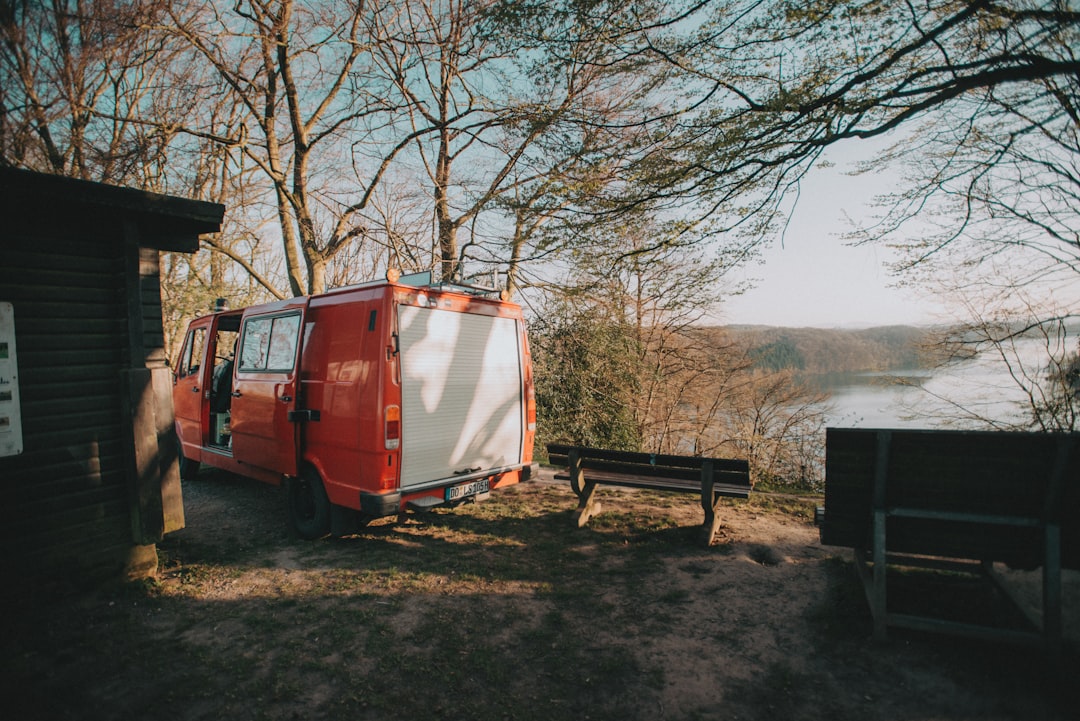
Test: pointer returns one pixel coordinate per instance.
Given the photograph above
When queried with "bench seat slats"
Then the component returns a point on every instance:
(659, 484)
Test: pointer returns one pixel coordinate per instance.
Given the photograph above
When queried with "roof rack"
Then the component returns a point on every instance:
(426, 279)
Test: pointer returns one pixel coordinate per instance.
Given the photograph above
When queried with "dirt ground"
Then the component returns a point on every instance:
(503, 610)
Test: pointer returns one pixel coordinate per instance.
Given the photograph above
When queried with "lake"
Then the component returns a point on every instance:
(930, 399)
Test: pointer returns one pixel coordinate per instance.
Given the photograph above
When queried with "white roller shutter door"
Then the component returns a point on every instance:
(461, 387)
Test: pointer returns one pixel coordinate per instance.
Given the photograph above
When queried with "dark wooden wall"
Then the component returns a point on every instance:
(63, 502)
(96, 484)
(153, 333)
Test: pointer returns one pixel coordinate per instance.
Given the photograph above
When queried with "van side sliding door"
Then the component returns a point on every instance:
(265, 387)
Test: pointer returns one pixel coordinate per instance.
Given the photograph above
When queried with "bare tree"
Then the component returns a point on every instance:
(499, 126)
(92, 89)
(992, 182)
(776, 423)
(294, 70)
(762, 87)
(987, 216)
(424, 95)
(984, 94)
(658, 291)
(71, 71)
(789, 79)
(684, 388)
(232, 266)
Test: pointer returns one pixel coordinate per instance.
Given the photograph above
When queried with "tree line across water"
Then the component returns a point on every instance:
(747, 392)
(820, 350)
(714, 391)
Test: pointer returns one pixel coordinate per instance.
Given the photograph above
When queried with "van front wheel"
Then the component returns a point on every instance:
(308, 505)
(189, 469)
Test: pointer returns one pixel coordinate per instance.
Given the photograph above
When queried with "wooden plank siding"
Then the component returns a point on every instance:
(96, 485)
(71, 335)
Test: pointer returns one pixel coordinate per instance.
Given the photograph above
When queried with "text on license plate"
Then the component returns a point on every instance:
(464, 490)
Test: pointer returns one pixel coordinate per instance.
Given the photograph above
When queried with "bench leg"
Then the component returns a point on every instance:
(709, 503)
(712, 521)
(588, 506)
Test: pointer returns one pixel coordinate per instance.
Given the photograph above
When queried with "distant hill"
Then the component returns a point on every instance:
(818, 350)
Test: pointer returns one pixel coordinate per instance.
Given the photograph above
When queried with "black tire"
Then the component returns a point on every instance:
(189, 469)
(308, 505)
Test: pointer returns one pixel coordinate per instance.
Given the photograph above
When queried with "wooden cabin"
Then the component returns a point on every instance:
(88, 473)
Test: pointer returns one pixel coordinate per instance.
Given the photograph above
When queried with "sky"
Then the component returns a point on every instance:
(814, 278)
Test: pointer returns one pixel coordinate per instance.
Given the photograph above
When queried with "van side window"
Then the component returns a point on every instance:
(269, 344)
(191, 356)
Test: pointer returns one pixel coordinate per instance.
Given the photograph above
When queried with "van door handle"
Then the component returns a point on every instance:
(195, 389)
(286, 399)
(236, 394)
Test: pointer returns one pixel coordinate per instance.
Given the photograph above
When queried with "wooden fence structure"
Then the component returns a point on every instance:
(960, 501)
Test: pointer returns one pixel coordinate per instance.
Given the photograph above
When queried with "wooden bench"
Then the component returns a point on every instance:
(955, 500)
(711, 478)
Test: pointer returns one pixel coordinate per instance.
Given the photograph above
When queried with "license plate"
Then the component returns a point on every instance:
(464, 490)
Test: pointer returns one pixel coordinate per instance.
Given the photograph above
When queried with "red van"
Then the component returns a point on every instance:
(365, 401)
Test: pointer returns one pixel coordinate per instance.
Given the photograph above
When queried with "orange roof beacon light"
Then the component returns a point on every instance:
(392, 274)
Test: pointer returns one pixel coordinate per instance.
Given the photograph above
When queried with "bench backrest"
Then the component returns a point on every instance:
(1034, 476)
(734, 471)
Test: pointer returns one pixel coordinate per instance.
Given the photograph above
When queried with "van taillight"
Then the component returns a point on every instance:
(393, 427)
(530, 407)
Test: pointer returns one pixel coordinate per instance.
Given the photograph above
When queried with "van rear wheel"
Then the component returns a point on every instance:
(308, 505)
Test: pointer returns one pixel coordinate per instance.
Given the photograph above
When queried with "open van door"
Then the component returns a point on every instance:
(266, 385)
(191, 388)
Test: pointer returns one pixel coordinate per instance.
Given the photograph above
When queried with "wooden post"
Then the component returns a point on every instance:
(1052, 625)
(144, 470)
(879, 604)
(155, 497)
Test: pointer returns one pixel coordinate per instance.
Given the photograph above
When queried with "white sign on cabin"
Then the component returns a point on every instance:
(11, 442)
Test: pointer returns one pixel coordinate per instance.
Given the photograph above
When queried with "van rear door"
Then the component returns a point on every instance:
(265, 386)
(462, 405)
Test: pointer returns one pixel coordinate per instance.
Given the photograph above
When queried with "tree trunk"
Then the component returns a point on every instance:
(447, 228)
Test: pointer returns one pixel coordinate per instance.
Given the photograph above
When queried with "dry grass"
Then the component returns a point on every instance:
(502, 610)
